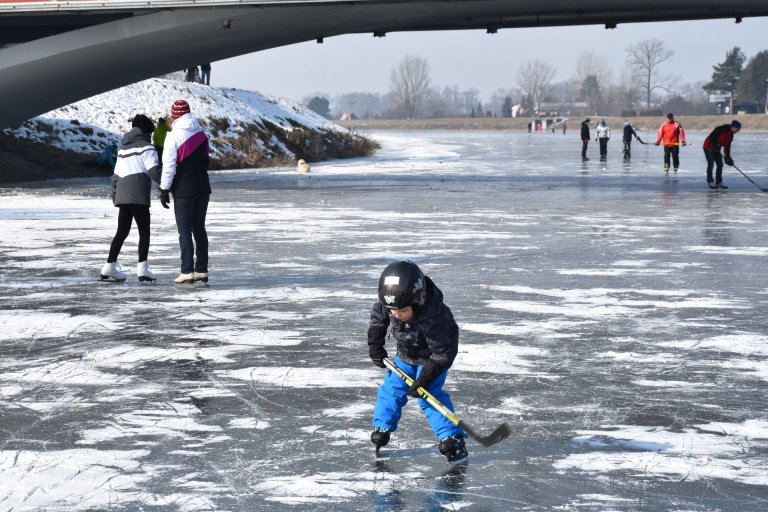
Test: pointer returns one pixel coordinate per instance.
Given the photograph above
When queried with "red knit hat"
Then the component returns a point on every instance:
(179, 108)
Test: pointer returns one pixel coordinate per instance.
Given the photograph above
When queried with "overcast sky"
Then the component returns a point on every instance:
(474, 59)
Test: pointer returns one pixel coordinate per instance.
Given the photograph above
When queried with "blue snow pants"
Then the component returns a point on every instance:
(393, 395)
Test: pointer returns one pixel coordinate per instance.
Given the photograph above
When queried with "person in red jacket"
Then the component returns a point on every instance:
(672, 134)
(720, 137)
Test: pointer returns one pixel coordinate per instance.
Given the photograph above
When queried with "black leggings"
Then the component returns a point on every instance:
(128, 212)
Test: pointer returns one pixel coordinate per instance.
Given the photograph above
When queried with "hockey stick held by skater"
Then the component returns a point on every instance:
(745, 175)
(499, 434)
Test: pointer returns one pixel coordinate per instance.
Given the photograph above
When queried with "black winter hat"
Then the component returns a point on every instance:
(143, 122)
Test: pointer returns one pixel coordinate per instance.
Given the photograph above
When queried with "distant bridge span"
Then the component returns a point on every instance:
(59, 52)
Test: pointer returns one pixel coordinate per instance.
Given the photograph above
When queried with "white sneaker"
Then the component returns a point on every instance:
(112, 270)
(144, 273)
(201, 276)
(185, 278)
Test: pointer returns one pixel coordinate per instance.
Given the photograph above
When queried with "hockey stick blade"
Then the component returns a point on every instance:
(750, 179)
(502, 432)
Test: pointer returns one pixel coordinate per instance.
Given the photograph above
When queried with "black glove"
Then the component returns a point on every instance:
(729, 161)
(377, 353)
(165, 198)
(428, 374)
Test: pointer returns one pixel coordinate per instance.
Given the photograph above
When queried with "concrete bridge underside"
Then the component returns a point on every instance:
(118, 47)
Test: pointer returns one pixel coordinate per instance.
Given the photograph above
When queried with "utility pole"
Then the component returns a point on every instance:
(766, 95)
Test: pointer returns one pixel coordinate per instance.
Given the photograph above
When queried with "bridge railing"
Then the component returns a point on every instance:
(79, 5)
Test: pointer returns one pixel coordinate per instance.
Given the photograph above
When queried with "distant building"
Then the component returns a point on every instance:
(747, 107)
(576, 108)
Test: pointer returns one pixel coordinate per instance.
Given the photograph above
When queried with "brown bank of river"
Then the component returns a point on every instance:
(752, 122)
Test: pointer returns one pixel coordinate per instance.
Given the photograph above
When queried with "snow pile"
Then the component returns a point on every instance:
(228, 116)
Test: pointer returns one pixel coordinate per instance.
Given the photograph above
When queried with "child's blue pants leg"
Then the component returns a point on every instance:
(441, 425)
(393, 395)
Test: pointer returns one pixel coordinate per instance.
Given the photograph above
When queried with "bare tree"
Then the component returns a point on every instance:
(593, 75)
(502, 101)
(534, 77)
(363, 104)
(409, 83)
(645, 59)
(590, 64)
(628, 86)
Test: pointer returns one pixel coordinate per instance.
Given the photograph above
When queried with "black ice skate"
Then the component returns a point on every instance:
(379, 437)
(454, 449)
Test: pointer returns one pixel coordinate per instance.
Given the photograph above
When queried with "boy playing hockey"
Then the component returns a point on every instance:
(427, 343)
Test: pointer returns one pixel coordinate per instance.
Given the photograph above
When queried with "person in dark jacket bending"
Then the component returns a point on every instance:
(137, 165)
(584, 139)
(427, 343)
(629, 132)
(720, 137)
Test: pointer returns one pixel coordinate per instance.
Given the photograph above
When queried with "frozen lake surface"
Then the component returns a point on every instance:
(614, 316)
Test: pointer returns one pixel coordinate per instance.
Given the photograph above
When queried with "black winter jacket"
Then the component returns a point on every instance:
(584, 131)
(431, 334)
(136, 163)
(629, 131)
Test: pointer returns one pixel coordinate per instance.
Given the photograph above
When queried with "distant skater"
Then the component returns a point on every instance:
(720, 137)
(603, 135)
(584, 139)
(671, 133)
(629, 132)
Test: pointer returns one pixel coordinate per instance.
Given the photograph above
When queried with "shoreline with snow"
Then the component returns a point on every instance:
(246, 130)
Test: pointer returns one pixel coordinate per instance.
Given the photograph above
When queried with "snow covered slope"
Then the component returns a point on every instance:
(242, 125)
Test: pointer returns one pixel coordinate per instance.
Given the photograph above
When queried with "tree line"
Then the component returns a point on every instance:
(645, 86)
